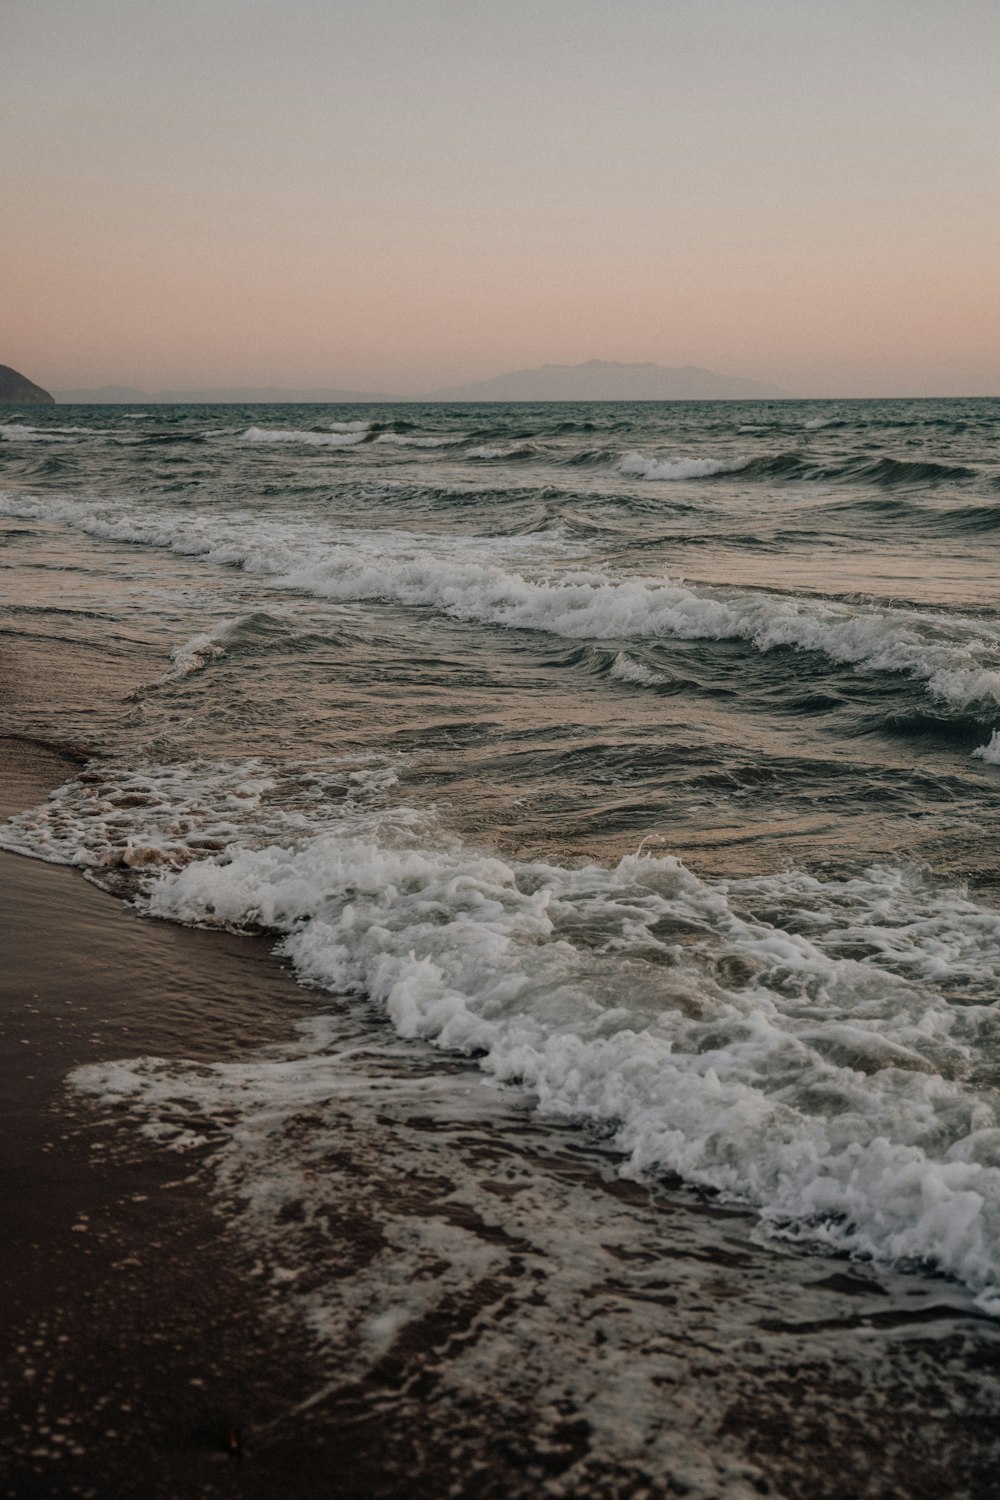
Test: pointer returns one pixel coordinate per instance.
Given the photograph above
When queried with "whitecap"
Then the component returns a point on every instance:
(626, 669)
(512, 450)
(991, 751)
(314, 439)
(638, 466)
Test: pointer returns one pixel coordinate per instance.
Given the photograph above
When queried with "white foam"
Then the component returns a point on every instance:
(512, 450)
(196, 654)
(349, 426)
(346, 439)
(990, 752)
(22, 433)
(408, 440)
(956, 659)
(626, 669)
(638, 466)
(115, 816)
(850, 1100)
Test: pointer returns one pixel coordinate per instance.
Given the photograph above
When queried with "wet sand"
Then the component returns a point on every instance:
(565, 1332)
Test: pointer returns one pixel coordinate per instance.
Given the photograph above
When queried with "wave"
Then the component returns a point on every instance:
(894, 471)
(969, 518)
(885, 473)
(197, 653)
(957, 660)
(19, 432)
(810, 1062)
(157, 439)
(588, 458)
(347, 439)
(991, 752)
(626, 669)
(636, 466)
(512, 450)
(407, 440)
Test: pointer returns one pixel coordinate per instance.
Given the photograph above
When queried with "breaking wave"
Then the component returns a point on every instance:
(792, 1043)
(635, 466)
(882, 473)
(343, 439)
(957, 660)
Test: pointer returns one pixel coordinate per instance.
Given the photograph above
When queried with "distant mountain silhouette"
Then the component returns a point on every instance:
(113, 395)
(605, 380)
(597, 380)
(18, 390)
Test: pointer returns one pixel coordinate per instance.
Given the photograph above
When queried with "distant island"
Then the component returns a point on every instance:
(596, 380)
(18, 390)
(606, 380)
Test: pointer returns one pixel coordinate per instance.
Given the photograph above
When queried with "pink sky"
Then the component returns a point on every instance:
(401, 194)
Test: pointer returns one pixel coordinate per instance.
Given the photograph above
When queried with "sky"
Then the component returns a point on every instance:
(396, 195)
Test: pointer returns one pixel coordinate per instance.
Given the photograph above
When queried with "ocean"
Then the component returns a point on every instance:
(644, 758)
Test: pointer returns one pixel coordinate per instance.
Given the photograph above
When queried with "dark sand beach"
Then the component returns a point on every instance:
(655, 1351)
(133, 1355)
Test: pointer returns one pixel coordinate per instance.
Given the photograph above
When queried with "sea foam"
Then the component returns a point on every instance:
(829, 1062)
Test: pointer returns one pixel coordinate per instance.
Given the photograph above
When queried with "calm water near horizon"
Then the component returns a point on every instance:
(647, 754)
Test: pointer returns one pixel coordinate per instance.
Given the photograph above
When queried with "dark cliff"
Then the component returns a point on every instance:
(16, 390)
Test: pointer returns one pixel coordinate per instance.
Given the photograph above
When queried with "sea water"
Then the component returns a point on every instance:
(647, 755)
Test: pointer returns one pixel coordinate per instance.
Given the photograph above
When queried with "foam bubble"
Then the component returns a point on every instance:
(406, 440)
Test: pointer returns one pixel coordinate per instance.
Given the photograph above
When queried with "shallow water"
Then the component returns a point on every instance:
(645, 754)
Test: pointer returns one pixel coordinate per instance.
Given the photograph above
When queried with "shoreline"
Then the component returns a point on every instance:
(566, 1332)
(131, 1353)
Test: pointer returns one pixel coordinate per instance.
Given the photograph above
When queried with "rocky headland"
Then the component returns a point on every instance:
(18, 390)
